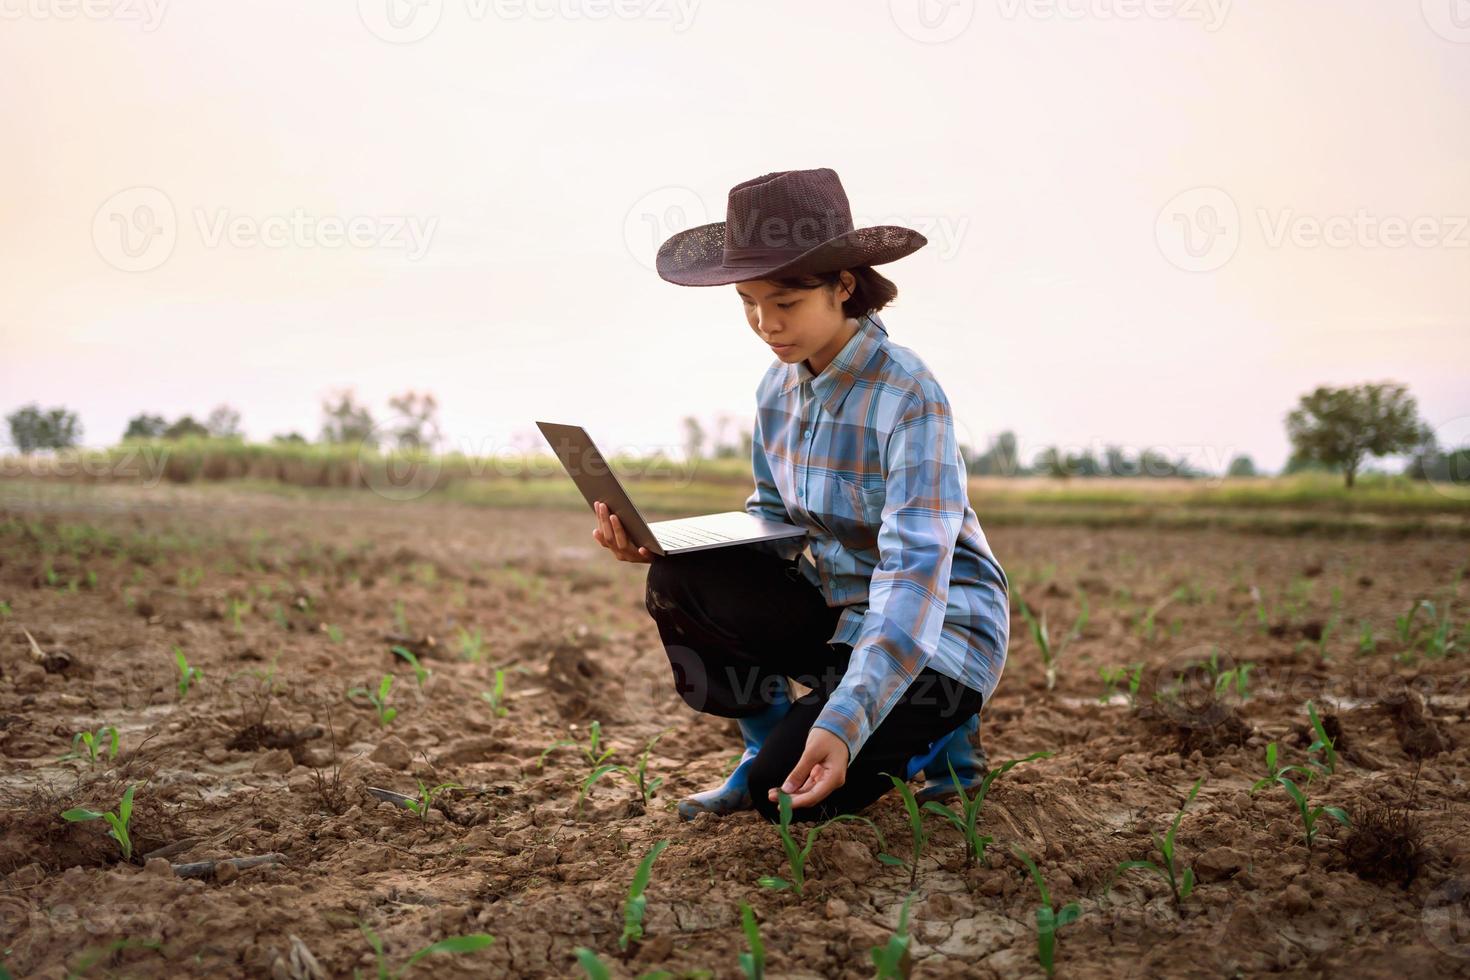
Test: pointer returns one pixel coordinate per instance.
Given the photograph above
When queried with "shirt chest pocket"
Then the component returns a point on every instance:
(856, 512)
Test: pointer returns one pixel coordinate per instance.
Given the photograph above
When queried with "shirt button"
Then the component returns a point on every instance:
(807, 434)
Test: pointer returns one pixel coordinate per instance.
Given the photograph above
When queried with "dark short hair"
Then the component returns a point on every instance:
(870, 293)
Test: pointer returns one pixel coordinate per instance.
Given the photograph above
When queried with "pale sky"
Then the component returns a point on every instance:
(1151, 222)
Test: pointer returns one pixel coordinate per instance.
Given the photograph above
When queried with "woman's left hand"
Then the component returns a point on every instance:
(821, 769)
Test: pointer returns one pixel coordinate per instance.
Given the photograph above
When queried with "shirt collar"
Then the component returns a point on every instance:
(837, 378)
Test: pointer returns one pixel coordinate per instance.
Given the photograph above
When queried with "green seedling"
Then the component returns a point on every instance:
(378, 699)
(1180, 884)
(471, 644)
(1323, 743)
(1367, 639)
(427, 796)
(1263, 616)
(237, 609)
(1311, 815)
(5, 610)
(118, 820)
(456, 944)
(592, 777)
(919, 835)
(1440, 641)
(639, 775)
(591, 964)
(187, 675)
(1404, 624)
(592, 749)
(1235, 679)
(753, 962)
(1051, 652)
(968, 819)
(420, 672)
(1048, 918)
(496, 695)
(890, 958)
(334, 633)
(797, 854)
(637, 903)
(1273, 772)
(400, 621)
(104, 743)
(1112, 677)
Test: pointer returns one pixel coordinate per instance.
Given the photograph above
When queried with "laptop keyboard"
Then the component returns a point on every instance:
(688, 537)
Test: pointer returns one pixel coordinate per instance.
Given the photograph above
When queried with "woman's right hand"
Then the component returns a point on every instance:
(610, 534)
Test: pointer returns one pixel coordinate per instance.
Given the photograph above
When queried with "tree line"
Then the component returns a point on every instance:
(1336, 430)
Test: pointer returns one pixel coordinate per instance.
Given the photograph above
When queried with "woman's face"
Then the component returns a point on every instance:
(798, 324)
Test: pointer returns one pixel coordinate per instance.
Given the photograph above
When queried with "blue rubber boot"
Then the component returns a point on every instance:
(735, 794)
(960, 748)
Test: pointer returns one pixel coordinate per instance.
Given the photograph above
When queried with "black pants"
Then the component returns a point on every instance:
(734, 620)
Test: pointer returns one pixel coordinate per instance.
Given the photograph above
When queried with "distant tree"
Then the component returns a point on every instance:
(724, 447)
(145, 427)
(1241, 465)
(693, 438)
(1050, 462)
(1433, 463)
(32, 429)
(1117, 463)
(1342, 427)
(223, 423)
(293, 438)
(345, 421)
(1001, 458)
(186, 427)
(416, 422)
(1083, 464)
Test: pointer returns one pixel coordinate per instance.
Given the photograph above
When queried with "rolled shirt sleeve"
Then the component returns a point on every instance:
(923, 513)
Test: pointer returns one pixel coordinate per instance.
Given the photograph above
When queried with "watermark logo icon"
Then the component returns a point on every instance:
(397, 459)
(1199, 229)
(1450, 19)
(1446, 918)
(932, 21)
(400, 21)
(136, 229)
(657, 215)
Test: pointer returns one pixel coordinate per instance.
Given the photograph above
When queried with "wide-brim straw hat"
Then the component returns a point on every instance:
(787, 223)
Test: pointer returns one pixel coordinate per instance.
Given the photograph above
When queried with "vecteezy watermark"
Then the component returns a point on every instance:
(1450, 19)
(139, 464)
(137, 229)
(661, 213)
(932, 21)
(657, 215)
(1446, 918)
(1201, 229)
(1363, 229)
(1209, 13)
(397, 462)
(148, 14)
(937, 21)
(408, 21)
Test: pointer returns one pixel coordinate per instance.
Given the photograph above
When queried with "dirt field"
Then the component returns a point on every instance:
(110, 583)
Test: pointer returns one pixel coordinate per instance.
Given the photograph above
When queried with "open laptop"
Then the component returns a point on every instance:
(589, 470)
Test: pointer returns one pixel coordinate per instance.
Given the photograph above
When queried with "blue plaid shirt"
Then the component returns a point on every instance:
(864, 456)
